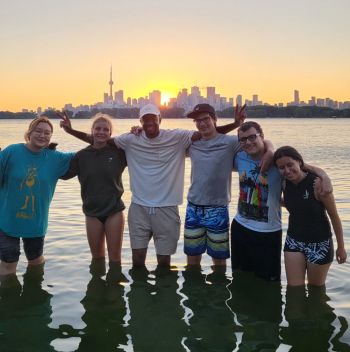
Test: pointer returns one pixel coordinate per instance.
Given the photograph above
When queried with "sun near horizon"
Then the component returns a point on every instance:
(165, 98)
(56, 54)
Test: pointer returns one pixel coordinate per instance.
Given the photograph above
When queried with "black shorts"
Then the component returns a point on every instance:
(10, 247)
(258, 252)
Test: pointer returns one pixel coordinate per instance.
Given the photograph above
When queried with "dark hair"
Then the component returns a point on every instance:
(288, 152)
(245, 126)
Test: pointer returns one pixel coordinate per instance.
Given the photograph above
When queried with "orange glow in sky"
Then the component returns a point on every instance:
(53, 53)
(165, 98)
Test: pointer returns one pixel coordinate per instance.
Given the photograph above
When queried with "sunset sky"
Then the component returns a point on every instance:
(57, 52)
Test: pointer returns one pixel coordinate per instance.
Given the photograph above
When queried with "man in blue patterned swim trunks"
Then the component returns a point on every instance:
(207, 219)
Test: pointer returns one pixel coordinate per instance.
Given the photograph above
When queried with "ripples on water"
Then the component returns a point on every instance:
(75, 307)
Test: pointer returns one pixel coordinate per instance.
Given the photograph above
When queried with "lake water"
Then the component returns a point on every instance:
(73, 306)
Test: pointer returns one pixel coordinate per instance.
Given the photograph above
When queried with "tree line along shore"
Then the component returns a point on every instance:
(252, 112)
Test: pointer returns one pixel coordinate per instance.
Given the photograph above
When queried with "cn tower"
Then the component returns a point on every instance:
(111, 85)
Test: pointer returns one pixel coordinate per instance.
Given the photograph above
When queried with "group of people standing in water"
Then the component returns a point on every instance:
(156, 161)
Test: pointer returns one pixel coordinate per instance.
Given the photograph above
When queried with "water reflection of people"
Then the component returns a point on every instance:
(257, 305)
(25, 313)
(311, 321)
(210, 322)
(156, 322)
(105, 309)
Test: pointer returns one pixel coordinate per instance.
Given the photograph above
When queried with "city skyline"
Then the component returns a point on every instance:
(187, 99)
(54, 53)
(212, 97)
(115, 99)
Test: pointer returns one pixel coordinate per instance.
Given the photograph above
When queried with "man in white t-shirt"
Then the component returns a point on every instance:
(156, 163)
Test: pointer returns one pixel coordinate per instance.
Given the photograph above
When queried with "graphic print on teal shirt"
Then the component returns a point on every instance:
(253, 194)
(27, 184)
(27, 211)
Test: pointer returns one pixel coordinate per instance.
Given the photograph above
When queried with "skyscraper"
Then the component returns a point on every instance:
(119, 97)
(211, 95)
(111, 85)
(195, 91)
(296, 97)
(155, 97)
(239, 100)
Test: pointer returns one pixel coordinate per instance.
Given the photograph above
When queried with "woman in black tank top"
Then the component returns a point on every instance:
(309, 247)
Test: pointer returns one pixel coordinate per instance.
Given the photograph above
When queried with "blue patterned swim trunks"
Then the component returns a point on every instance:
(207, 230)
(316, 253)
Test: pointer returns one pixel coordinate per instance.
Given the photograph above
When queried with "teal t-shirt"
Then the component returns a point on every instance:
(27, 184)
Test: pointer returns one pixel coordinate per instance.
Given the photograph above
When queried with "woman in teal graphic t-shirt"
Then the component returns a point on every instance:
(28, 176)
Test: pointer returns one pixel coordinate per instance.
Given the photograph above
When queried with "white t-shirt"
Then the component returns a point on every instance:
(156, 166)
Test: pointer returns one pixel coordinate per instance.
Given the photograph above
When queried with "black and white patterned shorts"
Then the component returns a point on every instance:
(315, 253)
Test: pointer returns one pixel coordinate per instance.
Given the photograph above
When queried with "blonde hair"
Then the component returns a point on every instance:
(100, 117)
(34, 124)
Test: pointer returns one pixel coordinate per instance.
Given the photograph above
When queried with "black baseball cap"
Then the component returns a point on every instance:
(201, 108)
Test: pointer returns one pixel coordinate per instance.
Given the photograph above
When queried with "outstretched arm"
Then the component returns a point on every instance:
(66, 124)
(73, 169)
(239, 117)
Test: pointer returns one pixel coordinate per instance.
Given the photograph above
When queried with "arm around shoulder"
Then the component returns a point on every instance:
(267, 159)
(326, 185)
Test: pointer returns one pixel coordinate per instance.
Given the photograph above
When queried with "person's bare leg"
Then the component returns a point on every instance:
(295, 264)
(163, 260)
(114, 228)
(194, 259)
(7, 268)
(37, 261)
(219, 262)
(317, 274)
(95, 232)
(139, 257)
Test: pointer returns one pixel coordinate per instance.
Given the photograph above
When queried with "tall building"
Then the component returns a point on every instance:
(296, 97)
(182, 98)
(119, 97)
(155, 97)
(194, 98)
(111, 84)
(211, 95)
(195, 91)
(239, 100)
(312, 101)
